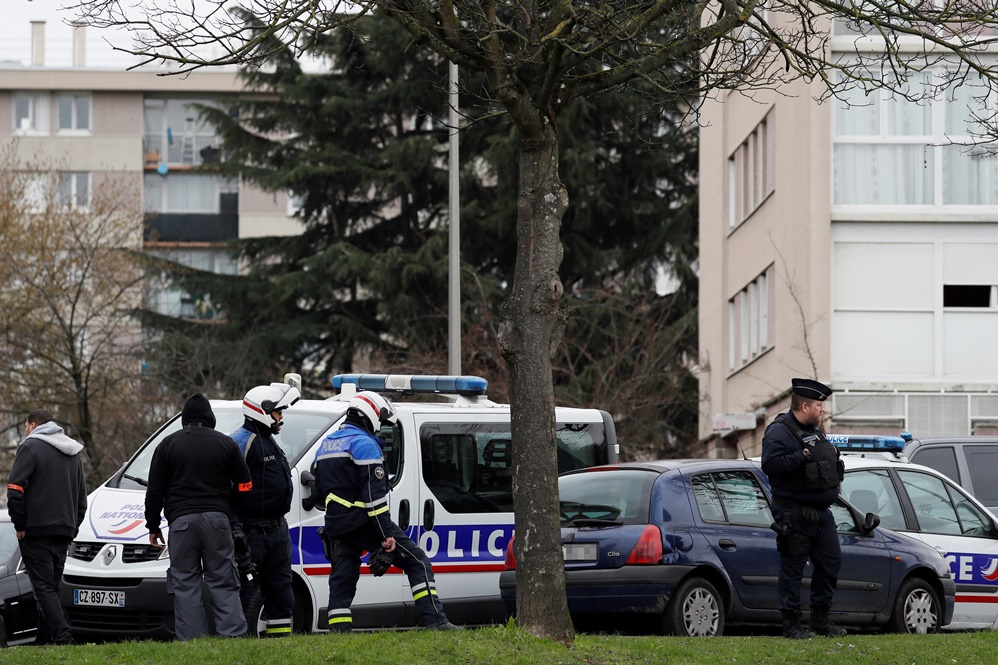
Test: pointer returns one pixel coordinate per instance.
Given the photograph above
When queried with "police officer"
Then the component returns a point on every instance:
(262, 512)
(350, 480)
(805, 473)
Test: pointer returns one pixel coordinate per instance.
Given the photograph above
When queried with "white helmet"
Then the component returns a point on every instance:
(375, 408)
(261, 401)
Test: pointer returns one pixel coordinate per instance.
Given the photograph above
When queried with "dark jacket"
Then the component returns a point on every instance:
(351, 480)
(783, 461)
(47, 491)
(270, 497)
(195, 470)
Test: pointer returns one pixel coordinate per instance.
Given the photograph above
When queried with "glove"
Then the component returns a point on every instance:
(380, 561)
(243, 559)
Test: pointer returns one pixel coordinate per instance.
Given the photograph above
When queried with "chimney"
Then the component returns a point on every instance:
(79, 45)
(38, 43)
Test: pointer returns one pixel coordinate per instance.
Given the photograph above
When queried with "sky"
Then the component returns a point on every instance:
(15, 36)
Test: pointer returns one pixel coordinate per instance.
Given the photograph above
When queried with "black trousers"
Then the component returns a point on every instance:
(45, 558)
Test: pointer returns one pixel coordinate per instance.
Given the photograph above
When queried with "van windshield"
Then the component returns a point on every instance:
(300, 429)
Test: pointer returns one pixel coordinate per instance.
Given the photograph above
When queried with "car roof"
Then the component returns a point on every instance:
(664, 466)
(956, 439)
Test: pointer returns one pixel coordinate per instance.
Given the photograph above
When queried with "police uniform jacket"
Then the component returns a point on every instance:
(783, 460)
(270, 497)
(350, 478)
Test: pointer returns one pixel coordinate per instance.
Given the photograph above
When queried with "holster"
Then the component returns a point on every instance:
(328, 548)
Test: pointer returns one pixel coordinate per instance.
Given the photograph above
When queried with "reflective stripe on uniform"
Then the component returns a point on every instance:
(377, 511)
(246, 487)
(277, 631)
(421, 590)
(343, 502)
(339, 616)
(16, 488)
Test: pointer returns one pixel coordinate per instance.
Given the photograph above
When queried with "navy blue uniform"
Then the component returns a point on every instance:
(802, 504)
(351, 481)
(262, 514)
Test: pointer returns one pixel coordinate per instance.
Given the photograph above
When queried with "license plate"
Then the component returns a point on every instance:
(579, 551)
(99, 598)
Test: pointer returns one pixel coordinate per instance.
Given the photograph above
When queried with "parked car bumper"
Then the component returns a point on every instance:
(148, 610)
(639, 589)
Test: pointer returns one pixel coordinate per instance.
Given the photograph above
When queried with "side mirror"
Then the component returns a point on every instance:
(870, 522)
(308, 480)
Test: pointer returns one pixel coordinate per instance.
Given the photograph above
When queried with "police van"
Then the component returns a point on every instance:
(924, 503)
(449, 464)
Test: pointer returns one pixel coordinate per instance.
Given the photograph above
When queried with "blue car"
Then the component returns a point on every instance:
(688, 543)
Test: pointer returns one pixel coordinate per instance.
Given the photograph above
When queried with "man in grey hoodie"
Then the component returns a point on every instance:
(47, 500)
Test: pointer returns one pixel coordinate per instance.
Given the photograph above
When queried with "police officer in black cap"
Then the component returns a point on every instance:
(805, 473)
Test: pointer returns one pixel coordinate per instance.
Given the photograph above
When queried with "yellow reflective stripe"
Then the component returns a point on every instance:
(372, 513)
(343, 502)
(286, 629)
(340, 620)
(417, 596)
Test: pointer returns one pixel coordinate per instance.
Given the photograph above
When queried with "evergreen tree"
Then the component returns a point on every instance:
(364, 149)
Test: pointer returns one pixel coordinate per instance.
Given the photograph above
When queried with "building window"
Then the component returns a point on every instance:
(164, 298)
(31, 113)
(176, 135)
(751, 172)
(917, 148)
(74, 190)
(749, 320)
(74, 112)
(185, 193)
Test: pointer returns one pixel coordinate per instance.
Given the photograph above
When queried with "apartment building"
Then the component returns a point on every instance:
(103, 122)
(854, 241)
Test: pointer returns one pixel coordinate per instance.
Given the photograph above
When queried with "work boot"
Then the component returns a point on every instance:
(822, 625)
(445, 625)
(792, 630)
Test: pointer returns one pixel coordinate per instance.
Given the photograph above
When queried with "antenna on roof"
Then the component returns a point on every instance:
(732, 423)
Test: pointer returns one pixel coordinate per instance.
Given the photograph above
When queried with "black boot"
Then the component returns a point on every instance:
(792, 630)
(822, 625)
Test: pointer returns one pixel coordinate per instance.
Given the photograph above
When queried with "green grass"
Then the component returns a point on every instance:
(508, 645)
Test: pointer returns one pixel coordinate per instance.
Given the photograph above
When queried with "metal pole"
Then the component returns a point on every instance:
(454, 235)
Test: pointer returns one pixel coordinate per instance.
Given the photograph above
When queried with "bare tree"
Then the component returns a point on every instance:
(537, 57)
(70, 284)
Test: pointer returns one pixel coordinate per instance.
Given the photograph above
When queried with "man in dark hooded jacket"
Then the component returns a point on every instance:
(195, 478)
(46, 501)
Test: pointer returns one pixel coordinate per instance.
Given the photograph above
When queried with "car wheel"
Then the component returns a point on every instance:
(695, 610)
(916, 608)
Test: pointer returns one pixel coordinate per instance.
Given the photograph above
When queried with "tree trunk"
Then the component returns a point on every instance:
(531, 329)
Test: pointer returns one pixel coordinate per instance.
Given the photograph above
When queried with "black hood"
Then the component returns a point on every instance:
(197, 409)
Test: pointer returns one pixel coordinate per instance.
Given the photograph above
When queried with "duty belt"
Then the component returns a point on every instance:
(264, 526)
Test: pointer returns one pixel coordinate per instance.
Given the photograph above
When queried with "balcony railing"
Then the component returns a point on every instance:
(181, 149)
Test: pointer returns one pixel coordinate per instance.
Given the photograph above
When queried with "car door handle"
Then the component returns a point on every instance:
(726, 544)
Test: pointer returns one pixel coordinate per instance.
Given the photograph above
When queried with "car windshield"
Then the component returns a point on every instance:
(300, 429)
(618, 496)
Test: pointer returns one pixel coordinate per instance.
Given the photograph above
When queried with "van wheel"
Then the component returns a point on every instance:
(916, 608)
(256, 619)
(695, 610)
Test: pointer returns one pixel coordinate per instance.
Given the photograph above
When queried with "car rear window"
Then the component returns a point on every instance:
(620, 495)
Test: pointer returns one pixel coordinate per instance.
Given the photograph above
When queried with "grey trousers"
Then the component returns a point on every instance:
(201, 552)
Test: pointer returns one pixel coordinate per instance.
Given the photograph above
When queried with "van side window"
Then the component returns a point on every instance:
(940, 458)
(469, 466)
(981, 461)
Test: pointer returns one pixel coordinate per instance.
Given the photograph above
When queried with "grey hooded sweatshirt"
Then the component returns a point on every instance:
(47, 490)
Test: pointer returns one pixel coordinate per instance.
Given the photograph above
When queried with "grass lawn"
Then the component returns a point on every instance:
(503, 644)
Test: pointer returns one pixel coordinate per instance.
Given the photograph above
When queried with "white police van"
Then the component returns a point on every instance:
(924, 503)
(451, 479)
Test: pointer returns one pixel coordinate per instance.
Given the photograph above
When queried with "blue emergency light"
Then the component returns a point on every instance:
(867, 443)
(414, 383)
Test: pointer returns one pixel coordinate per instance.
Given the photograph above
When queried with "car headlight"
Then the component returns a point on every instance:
(165, 554)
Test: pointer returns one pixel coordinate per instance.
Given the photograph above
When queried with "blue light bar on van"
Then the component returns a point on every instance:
(414, 383)
(867, 443)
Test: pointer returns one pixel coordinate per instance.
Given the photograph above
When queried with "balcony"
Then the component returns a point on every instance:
(181, 150)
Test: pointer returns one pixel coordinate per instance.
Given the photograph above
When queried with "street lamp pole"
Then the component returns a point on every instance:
(454, 233)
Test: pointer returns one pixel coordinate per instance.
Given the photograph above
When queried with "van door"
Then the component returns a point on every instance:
(464, 518)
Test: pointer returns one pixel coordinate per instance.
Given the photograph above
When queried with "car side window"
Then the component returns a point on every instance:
(940, 458)
(872, 491)
(934, 509)
(844, 521)
(973, 520)
(736, 493)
